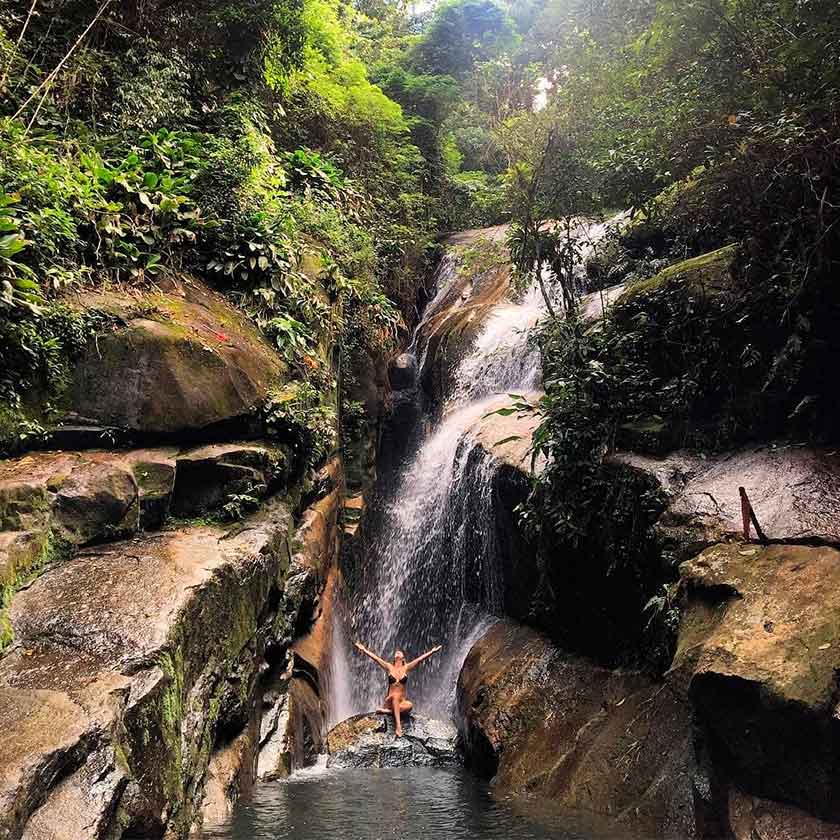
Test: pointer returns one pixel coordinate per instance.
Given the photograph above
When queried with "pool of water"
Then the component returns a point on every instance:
(415, 803)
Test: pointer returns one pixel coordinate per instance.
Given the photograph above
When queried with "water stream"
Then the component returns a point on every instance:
(430, 575)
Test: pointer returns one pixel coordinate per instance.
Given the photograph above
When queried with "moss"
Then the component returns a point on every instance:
(171, 717)
(49, 550)
(7, 633)
(708, 271)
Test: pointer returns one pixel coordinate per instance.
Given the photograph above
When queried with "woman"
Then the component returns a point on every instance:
(396, 703)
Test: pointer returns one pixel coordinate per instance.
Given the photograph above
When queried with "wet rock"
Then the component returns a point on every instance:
(595, 305)
(402, 372)
(369, 741)
(230, 775)
(275, 750)
(559, 727)
(751, 818)
(455, 318)
(208, 477)
(122, 661)
(507, 438)
(759, 652)
(180, 359)
(317, 537)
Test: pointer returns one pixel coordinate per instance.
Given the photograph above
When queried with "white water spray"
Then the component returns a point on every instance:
(429, 571)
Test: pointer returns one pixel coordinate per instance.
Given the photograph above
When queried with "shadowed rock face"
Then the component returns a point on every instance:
(558, 726)
(369, 741)
(759, 651)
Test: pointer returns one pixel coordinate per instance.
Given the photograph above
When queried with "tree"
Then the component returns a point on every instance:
(551, 187)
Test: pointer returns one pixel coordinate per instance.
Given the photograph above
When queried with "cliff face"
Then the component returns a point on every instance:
(151, 596)
(729, 730)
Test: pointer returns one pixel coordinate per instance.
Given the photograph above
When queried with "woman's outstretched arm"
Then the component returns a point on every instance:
(415, 662)
(380, 662)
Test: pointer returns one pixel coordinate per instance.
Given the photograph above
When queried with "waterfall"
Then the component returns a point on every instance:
(429, 574)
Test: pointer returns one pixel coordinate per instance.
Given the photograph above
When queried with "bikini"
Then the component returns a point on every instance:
(392, 679)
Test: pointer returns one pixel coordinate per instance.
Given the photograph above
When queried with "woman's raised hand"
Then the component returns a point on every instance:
(360, 646)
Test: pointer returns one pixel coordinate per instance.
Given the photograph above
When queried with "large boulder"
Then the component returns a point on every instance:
(543, 722)
(370, 741)
(794, 490)
(211, 476)
(180, 359)
(129, 665)
(759, 653)
(709, 275)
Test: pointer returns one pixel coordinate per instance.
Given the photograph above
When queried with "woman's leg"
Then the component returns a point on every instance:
(406, 706)
(396, 703)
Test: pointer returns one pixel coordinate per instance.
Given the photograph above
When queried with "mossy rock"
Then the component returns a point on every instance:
(179, 360)
(147, 654)
(709, 274)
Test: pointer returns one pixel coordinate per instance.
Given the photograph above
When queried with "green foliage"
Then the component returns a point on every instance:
(478, 199)
(461, 34)
(302, 416)
(238, 505)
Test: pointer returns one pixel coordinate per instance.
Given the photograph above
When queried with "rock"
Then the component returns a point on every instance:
(751, 818)
(400, 430)
(402, 372)
(230, 775)
(97, 500)
(369, 741)
(182, 359)
(316, 541)
(206, 478)
(709, 275)
(594, 306)
(794, 490)
(85, 497)
(115, 691)
(560, 728)
(759, 649)
(154, 472)
(507, 439)
(466, 296)
(275, 751)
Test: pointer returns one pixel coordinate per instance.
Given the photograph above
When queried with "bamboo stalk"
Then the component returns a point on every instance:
(17, 44)
(55, 72)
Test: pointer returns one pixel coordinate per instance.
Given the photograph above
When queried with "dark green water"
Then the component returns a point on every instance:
(407, 803)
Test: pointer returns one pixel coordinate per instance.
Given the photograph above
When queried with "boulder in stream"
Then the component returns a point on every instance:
(369, 741)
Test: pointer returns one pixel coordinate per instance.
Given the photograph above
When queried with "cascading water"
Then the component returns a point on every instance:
(430, 574)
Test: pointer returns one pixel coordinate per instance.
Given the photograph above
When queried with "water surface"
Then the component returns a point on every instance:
(411, 803)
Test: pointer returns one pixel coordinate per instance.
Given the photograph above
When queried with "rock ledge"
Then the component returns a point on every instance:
(368, 741)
